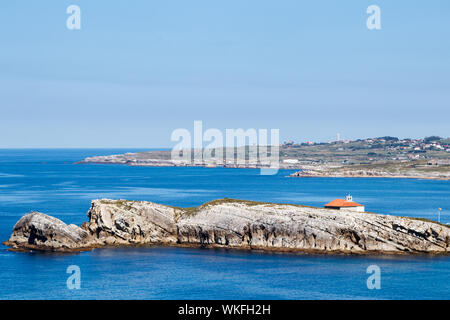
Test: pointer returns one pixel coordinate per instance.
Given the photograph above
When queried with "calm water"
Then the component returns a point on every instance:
(48, 181)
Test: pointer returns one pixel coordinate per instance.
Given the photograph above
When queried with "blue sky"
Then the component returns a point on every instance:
(137, 70)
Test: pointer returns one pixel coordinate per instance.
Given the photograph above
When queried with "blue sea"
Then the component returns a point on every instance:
(48, 181)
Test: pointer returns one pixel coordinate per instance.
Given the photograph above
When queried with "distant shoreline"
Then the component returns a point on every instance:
(159, 163)
(348, 160)
(304, 171)
(323, 175)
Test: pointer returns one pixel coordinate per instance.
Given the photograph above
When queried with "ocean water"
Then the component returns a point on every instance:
(48, 181)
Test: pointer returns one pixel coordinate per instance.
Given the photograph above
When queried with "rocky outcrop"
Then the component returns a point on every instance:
(41, 232)
(163, 159)
(332, 172)
(233, 224)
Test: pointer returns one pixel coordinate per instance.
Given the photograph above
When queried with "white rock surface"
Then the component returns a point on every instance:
(41, 232)
(234, 224)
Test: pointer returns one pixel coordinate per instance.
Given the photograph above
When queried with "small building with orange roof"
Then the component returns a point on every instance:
(345, 204)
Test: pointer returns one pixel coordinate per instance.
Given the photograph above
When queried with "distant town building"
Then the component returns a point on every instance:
(345, 204)
(290, 161)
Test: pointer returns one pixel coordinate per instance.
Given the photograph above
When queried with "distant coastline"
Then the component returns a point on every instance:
(345, 172)
(328, 162)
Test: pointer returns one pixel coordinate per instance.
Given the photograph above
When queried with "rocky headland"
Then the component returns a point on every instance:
(232, 224)
(391, 170)
(162, 159)
(417, 169)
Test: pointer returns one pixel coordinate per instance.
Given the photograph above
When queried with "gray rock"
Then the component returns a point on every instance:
(41, 232)
(234, 224)
(130, 222)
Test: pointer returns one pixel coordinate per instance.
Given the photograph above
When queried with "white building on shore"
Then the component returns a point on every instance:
(345, 204)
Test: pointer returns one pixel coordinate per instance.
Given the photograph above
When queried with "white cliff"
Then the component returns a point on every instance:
(233, 224)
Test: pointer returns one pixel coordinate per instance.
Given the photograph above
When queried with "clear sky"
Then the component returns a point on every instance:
(137, 70)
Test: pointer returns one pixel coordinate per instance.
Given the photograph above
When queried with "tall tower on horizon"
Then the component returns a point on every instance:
(338, 137)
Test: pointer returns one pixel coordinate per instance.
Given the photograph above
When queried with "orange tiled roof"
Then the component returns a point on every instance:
(343, 203)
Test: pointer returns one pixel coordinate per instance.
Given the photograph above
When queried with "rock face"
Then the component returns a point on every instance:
(233, 224)
(39, 231)
(340, 172)
(126, 222)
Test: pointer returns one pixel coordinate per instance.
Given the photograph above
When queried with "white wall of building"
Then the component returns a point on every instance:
(358, 209)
